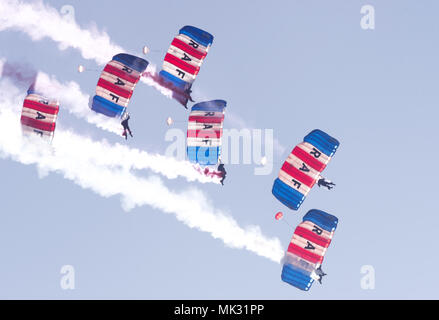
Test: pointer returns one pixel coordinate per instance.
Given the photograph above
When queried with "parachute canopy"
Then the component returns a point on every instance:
(205, 129)
(303, 259)
(302, 168)
(116, 84)
(183, 61)
(39, 115)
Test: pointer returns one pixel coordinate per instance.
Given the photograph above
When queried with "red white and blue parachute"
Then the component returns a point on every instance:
(205, 129)
(183, 61)
(116, 84)
(302, 168)
(303, 259)
(38, 116)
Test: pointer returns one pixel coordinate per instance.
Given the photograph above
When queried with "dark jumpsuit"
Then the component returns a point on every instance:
(126, 128)
(223, 173)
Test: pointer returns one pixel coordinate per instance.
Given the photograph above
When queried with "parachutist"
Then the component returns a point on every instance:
(324, 183)
(125, 70)
(126, 127)
(299, 270)
(302, 169)
(180, 70)
(320, 273)
(38, 116)
(188, 93)
(223, 172)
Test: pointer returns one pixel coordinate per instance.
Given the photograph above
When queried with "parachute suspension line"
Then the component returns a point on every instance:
(284, 221)
(146, 50)
(81, 69)
(154, 50)
(325, 183)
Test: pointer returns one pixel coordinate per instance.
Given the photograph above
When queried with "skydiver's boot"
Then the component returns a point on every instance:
(124, 134)
(325, 183)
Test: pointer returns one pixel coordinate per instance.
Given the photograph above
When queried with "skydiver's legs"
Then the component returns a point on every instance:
(223, 172)
(126, 127)
(223, 176)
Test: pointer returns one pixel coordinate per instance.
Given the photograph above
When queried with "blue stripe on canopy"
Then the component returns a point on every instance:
(214, 105)
(131, 61)
(202, 37)
(205, 156)
(296, 277)
(287, 195)
(321, 218)
(322, 141)
(180, 84)
(106, 107)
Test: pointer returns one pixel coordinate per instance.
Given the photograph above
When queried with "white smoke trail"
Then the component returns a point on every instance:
(39, 20)
(67, 157)
(76, 103)
(150, 76)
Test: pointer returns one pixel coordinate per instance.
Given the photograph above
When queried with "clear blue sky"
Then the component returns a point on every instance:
(291, 66)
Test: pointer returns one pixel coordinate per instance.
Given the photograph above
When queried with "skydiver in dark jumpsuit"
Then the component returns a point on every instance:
(324, 183)
(126, 127)
(320, 273)
(223, 172)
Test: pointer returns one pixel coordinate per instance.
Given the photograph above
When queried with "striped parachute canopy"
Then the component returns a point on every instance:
(183, 61)
(204, 132)
(116, 84)
(302, 168)
(303, 259)
(38, 116)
